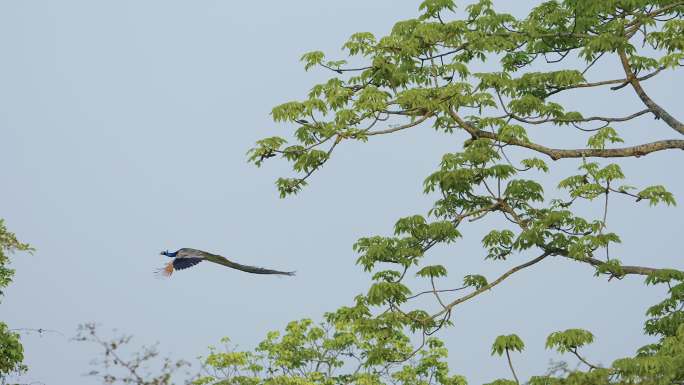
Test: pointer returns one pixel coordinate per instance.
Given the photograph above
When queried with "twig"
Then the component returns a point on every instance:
(510, 365)
(494, 283)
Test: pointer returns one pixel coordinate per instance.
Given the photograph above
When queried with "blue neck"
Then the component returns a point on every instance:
(171, 254)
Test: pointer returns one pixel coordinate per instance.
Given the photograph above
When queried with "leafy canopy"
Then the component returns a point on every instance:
(11, 350)
(430, 71)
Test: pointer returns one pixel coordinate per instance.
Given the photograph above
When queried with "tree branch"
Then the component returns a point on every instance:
(555, 154)
(341, 70)
(579, 357)
(627, 269)
(656, 13)
(481, 290)
(621, 82)
(636, 85)
(399, 128)
(434, 291)
(589, 119)
(510, 365)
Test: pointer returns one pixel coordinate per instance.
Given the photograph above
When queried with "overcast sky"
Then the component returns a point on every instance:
(123, 131)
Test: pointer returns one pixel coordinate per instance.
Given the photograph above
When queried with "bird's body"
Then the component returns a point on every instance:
(187, 257)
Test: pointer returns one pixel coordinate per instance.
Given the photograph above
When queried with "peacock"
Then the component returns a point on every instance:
(187, 257)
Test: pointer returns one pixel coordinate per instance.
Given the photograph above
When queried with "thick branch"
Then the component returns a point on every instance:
(627, 270)
(657, 110)
(555, 154)
(633, 151)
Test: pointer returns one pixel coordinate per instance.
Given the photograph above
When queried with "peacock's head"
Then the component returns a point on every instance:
(170, 254)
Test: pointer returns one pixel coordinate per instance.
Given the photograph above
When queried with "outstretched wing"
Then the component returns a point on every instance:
(187, 252)
(249, 269)
(184, 263)
(178, 264)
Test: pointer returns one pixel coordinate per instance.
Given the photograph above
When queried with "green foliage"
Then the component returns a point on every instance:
(661, 365)
(11, 350)
(429, 70)
(502, 382)
(387, 292)
(8, 245)
(432, 271)
(657, 194)
(605, 134)
(475, 281)
(312, 59)
(499, 243)
(569, 340)
(338, 351)
(509, 343)
(535, 163)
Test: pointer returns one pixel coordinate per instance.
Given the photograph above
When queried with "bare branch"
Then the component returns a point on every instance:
(481, 290)
(510, 365)
(39, 331)
(399, 128)
(579, 357)
(133, 369)
(589, 119)
(435, 291)
(341, 70)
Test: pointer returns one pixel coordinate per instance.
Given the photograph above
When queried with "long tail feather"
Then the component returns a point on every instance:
(249, 269)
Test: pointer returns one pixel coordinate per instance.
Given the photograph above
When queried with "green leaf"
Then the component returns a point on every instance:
(432, 271)
(382, 292)
(311, 59)
(605, 134)
(505, 343)
(535, 163)
(657, 194)
(569, 340)
(474, 280)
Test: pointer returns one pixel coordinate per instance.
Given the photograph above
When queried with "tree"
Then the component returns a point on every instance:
(420, 74)
(11, 350)
(335, 352)
(116, 364)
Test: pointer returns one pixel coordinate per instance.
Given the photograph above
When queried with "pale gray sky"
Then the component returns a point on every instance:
(124, 127)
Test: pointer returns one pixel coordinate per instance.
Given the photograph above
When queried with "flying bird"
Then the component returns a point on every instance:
(186, 257)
